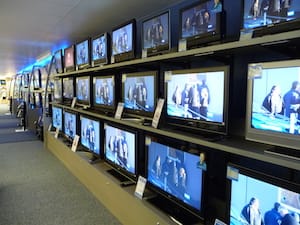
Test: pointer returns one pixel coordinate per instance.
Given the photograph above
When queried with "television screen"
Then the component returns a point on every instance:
(57, 90)
(36, 78)
(259, 14)
(120, 149)
(100, 49)
(123, 41)
(90, 134)
(57, 117)
(156, 34)
(69, 58)
(175, 172)
(83, 90)
(59, 61)
(257, 199)
(68, 88)
(273, 105)
(70, 123)
(201, 23)
(197, 97)
(83, 54)
(104, 91)
(139, 92)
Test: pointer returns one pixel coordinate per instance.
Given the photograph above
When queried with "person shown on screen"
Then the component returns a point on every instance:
(204, 99)
(185, 100)
(202, 164)
(122, 148)
(287, 218)
(274, 10)
(99, 49)
(122, 44)
(273, 102)
(82, 55)
(157, 32)
(140, 94)
(187, 27)
(182, 180)
(251, 214)
(176, 97)
(217, 6)
(285, 6)
(273, 217)
(157, 167)
(104, 92)
(90, 135)
(194, 101)
(167, 168)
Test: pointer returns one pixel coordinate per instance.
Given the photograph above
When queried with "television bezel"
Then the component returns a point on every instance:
(84, 103)
(195, 125)
(105, 59)
(59, 61)
(70, 68)
(61, 110)
(65, 99)
(131, 54)
(162, 48)
(88, 63)
(76, 123)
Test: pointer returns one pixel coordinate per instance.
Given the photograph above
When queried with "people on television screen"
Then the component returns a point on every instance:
(273, 217)
(99, 49)
(217, 6)
(90, 135)
(202, 164)
(157, 167)
(156, 32)
(287, 218)
(118, 145)
(102, 93)
(273, 102)
(251, 213)
(138, 95)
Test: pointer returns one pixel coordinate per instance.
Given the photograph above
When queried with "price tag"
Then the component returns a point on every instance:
(56, 133)
(140, 187)
(232, 173)
(119, 111)
(157, 113)
(255, 71)
(50, 127)
(182, 46)
(144, 53)
(75, 143)
(73, 102)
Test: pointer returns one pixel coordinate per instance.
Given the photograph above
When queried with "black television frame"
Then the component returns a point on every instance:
(59, 61)
(80, 102)
(68, 137)
(70, 68)
(67, 100)
(87, 64)
(103, 60)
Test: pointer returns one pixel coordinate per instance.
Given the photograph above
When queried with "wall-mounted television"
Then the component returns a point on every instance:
(36, 78)
(69, 58)
(100, 49)
(269, 17)
(258, 198)
(121, 146)
(202, 23)
(58, 56)
(83, 54)
(90, 135)
(104, 93)
(83, 91)
(156, 38)
(68, 89)
(273, 103)
(124, 41)
(57, 95)
(178, 175)
(57, 118)
(70, 124)
(197, 99)
(139, 93)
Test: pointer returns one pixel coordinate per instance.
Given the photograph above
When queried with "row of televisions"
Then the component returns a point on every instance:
(197, 100)
(176, 171)
(200, 24)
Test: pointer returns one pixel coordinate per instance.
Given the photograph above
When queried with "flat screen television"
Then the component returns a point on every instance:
(197, 99)
(176, 173)
(124, 41)
(36, 78)
(202, 23)
(83, 91)
(263, 198)
(58, 56)
(273, 100)
(104, 93)
(100, 49)
(269, 17)
(57, 95)
(90, 135)
(69, 58)
(83, 54)
(139, 93)
(68, 89)
(38, 100)
(156, 38)
(57, 118)
(120, 151)
(70, 124)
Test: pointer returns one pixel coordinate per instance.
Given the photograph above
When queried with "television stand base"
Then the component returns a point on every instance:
(123, 179)
(284, 152)
(94, 159)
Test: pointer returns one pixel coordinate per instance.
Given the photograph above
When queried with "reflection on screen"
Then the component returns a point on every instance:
(122, 39)
(70, 124)
(57, 117)
(99, 48)
(90, 134)
(104, 91)
(82, 53)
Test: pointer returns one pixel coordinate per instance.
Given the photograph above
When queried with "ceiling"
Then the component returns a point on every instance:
(31, 28)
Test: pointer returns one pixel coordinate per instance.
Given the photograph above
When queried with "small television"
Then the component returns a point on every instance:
(36, 78)
(100, 49)
(123, 41)
(57, 95)
(197, 99)
(270, 17)
(70, 124)
(90, 135)
(58, 56)
(69, 58)
(156, 38)
(83, 54)
(274, 200)
(68, 89)
(178, 175)
(57, 118)
(273, 112)
(104, 93)
(120, 152)
(83, 91)
(202, 23)
(139, 93)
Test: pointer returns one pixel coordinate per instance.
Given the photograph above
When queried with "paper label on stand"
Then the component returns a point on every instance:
(140, 187)
(119, 111)
(158, 110)
(75, 143)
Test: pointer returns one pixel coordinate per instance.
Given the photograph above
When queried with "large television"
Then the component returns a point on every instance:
(69, 58)
(83, 54)
(83, 91)
(120, 152)
(58, 57)
(100, 49)
(263, 198)
(124, 41)
(197, 99)
(273, 104)
(57, 117)
(68, 89)
(90, 136)
(176, 174)
(139, 93)
(57, 95)
(70, 124)
(36, 78)
(156, 38)
(104, 95)
(202, 23)
(270, 17)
